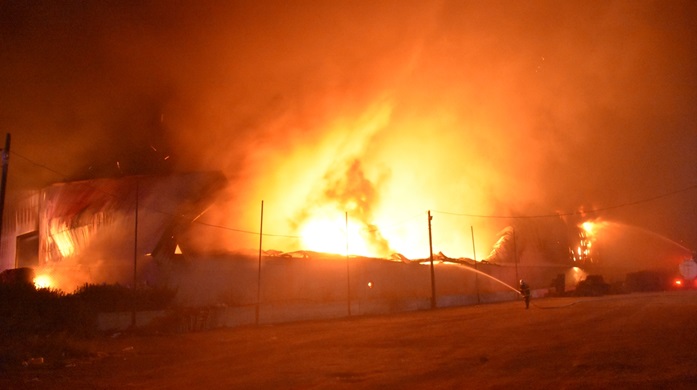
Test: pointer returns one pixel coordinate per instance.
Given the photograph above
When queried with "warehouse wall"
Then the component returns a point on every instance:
(312, 288)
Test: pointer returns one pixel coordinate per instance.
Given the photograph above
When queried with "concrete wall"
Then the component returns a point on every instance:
(294, 289)
(123, 320)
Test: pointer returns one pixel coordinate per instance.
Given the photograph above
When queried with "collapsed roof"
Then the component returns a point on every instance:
(100, 220)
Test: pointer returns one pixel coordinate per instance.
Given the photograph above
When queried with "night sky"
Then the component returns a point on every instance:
(385, 109)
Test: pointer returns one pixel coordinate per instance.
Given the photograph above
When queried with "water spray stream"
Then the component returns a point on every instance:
(517, 291)
(617, 226)
(493, 278)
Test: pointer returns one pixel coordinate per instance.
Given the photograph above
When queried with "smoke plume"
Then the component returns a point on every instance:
(469, 108)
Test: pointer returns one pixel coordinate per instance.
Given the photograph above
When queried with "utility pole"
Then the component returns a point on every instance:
(135, 257)
(515, 256)
(474, 254)
(348, 275)
(433, 274)
(3, 184)
(261, 235)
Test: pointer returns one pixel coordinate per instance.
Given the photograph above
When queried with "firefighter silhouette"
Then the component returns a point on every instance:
(525, 293)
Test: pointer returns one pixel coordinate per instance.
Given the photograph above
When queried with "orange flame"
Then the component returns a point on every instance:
(43, 281)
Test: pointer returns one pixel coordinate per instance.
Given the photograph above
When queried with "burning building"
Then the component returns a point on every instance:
(142, 229)
(105, 230)
(146, 230)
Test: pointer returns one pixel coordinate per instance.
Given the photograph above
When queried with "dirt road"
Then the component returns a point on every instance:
(624, 341)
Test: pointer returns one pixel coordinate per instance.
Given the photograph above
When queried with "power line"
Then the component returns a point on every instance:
(61, 175)
(373, 228)
(243, 231)
(121, 197)
(556, 215)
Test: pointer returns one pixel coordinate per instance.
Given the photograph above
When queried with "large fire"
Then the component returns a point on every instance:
(385, 169)
(379, 110)
(605, 242)
(587, 235)
(43, 281)
(324, 235)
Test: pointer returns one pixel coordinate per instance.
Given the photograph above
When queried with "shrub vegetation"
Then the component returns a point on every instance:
(50, 323)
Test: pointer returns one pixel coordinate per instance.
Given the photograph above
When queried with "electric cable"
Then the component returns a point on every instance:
(122, 197)
(556, 215)
(373, 229)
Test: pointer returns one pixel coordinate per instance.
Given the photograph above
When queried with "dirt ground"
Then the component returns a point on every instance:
(625, 341)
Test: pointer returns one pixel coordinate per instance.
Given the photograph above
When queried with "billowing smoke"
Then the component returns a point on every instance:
(472, 109)
(347, 189)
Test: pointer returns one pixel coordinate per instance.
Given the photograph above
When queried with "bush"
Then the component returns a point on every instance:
(27, 310)
(24, 309)
(114, 297)
(48, 323)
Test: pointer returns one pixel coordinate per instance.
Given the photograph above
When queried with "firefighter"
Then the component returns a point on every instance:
(525, 293)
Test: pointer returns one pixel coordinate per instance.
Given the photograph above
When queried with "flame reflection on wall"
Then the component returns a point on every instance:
(62, 240)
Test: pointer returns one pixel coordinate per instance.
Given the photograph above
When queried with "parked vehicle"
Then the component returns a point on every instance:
(593, 286)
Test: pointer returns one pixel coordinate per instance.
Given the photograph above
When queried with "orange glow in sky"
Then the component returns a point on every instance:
(383, 110)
